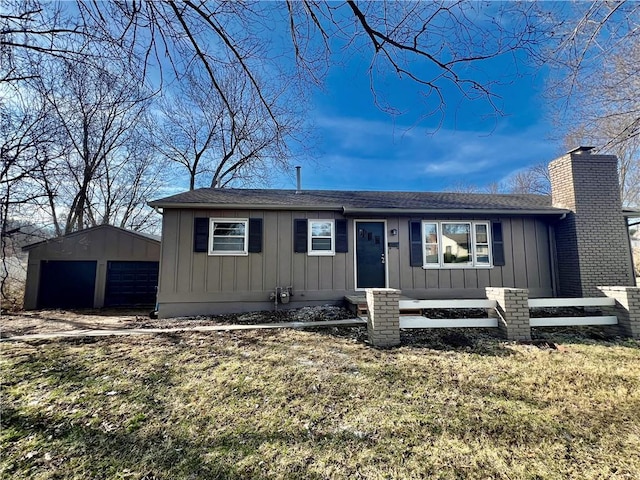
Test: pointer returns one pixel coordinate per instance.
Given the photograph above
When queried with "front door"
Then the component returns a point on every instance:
(371, 252)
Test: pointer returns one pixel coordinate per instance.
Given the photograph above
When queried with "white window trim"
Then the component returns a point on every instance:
(245, 249)
(475, 244)
(326, 253)
(444, 266)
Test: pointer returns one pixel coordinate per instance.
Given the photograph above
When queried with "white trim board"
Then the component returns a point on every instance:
(571, 302)
(469, 303)
(416, 321)
(572, 321)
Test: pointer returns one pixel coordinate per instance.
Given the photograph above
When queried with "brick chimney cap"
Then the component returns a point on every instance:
(581, 150)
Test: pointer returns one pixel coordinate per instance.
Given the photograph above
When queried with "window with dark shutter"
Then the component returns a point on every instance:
(342, 238)
(498, 244)
(415, 240)
(200, 234)
(300, 235)
(255, 235)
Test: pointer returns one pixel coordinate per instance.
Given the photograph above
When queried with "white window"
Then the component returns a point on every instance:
(321, 237)
(482, 256)
(455, 244)
(228, 236)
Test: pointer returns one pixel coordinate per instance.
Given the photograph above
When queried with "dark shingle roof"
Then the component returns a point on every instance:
(221, 198)
(97, 228)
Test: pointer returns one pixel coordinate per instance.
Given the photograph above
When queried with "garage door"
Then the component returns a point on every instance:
(131, 284)
(67, 284)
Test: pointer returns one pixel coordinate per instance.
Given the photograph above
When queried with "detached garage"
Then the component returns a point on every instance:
(103, 266)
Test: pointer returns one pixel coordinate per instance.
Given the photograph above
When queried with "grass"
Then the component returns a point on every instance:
(292, 404)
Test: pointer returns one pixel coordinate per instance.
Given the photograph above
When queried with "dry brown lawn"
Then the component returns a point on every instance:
(321, 404)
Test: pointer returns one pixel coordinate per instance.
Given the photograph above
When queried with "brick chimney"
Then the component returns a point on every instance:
(592, 243)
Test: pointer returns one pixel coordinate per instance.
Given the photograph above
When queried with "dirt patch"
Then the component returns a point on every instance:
(50, 321)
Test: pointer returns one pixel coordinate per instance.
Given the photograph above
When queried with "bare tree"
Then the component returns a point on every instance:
(605, 113)
(434, 44)
(534, 179)
(32, 26)
(100, 166)
(217, 148)
(597, 84)
(464, 187)
(186, 127)
(24, 138)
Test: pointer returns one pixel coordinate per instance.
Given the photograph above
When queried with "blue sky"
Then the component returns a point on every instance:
(363, 148)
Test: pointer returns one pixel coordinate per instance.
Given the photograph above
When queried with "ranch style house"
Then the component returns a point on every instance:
(233, 250)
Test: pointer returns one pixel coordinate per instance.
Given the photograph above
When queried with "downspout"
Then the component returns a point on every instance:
(553, 256)
(154, 313)
(633, 270)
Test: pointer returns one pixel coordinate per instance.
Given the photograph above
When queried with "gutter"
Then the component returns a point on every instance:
(346, 211)
(243, 206)
(451, 211)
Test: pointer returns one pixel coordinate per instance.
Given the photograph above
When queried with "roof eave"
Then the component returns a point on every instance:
(242, 206)
(455, 211)
(361, 210)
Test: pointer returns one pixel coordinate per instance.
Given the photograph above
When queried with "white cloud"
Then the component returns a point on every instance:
(378, 154)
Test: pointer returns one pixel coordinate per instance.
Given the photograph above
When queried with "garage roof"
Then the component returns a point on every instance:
(97, 228)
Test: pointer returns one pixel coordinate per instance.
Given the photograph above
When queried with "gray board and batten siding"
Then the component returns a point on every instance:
(95, 267)
(198, 283)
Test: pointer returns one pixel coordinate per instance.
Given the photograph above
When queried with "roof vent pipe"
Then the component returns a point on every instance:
(298, 188)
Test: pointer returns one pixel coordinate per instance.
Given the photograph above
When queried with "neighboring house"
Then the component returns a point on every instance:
(103, 266)
(226, 250)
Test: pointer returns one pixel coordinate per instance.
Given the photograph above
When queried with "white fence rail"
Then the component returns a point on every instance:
(471, 303)
(571, 302)
(418, 321)
(572, 321)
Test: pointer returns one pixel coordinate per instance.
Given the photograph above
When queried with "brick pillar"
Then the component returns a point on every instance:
(383, 321)
(512, 311)
(627, 309)
(592, 244)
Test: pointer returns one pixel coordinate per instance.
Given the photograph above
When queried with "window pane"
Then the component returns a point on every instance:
(228, 229)
(228, 244)
(431, 233)
(456, 239)
(481, 234)
(321, 244)
(431, 256)
(321, 229)
(482, 254)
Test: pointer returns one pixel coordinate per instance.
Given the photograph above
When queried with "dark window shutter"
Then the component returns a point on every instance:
(415, 240)
(342, 238)
(255, 235)
(300, 235)
(200, 234)
(498, 244)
